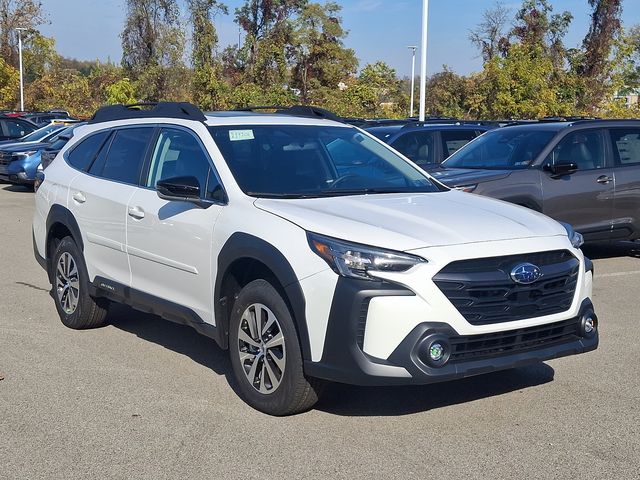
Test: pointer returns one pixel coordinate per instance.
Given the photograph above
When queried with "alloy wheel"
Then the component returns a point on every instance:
(67, 283)
(261, 348)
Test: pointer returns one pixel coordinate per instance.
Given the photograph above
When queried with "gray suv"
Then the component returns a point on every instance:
(585, 173)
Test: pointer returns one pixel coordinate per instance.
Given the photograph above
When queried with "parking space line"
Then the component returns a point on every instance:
(618, 274)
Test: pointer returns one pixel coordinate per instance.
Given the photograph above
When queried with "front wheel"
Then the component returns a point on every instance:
(265, 353)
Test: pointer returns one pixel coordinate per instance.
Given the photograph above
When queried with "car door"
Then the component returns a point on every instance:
(583, 198)
(98, 201)
(625, 144)
(170, 242)
(418, 146)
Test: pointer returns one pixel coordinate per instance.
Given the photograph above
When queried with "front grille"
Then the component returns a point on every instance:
(5, 158)
(484, 293)
(476, 347)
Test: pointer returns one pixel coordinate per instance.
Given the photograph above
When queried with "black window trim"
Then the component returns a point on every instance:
(109, 139)
(212, 169)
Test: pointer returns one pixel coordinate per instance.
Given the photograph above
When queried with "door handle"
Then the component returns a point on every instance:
(79, 197)
(136, 212)
(604, 179)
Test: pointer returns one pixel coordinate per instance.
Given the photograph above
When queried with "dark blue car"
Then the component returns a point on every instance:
(19, 161)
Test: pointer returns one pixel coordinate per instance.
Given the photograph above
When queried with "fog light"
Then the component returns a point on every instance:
(436, 351)
(589, 325)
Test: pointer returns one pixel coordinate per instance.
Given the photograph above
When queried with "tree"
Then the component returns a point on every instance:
(269, 29)
(318, 54)
(382, 80)
(447, 94)
(153, 47)
(9, 84)
(17, 14)
(207, 87)
(488, 36)
(594, 64)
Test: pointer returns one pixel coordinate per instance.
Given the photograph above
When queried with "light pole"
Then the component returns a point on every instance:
(20, 30)
(413, 76)
(423, 59)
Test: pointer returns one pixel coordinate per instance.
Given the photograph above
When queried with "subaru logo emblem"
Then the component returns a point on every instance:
(525, 273)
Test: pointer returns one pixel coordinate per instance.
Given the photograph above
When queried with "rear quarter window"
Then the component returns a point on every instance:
(85, 152)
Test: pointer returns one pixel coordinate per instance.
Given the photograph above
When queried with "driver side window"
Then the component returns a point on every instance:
(178, 154)
(584, 148)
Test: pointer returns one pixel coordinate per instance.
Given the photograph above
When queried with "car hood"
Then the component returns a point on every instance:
(23, 147)
(454, 177)
(410, 221)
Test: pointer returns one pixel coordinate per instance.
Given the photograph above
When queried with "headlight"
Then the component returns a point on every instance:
(576, 239)
(356, 261)
(27, 154)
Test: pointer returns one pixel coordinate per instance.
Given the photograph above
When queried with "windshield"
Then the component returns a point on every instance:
(41, 133)
(294, 161)
(509, 148)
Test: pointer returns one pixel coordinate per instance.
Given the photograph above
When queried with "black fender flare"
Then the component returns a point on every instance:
(245, 246)
(63, 216)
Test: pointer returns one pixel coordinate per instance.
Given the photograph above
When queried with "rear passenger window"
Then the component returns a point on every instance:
(418, 146)
(125, 156)
(86, 151)
(626, 146)
(453, 140)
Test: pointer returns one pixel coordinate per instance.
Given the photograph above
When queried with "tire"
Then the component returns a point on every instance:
(278, 385)
(70, 282)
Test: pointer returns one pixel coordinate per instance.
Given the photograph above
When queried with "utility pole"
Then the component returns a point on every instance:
(20, 30)
(413, 75)
(423, 59)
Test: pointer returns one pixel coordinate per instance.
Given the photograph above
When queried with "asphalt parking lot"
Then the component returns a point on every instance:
(144, 398)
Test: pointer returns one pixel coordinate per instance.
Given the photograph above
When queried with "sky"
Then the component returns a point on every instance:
(378, 29)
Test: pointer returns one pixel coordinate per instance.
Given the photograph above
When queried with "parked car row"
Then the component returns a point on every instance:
(20, 160)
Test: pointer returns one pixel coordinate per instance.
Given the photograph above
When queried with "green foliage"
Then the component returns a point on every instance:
(9, 85)
(122, 91)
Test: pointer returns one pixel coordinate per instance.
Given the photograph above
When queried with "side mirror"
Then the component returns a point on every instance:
(560, 169)
(181, 189)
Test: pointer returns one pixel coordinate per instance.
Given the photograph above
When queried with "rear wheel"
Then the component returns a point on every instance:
(76, 308)
(265, 353)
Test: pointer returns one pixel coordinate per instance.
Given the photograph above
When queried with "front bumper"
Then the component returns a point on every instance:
(344, 359)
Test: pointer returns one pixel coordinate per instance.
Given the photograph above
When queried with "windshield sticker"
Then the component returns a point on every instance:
(237, 135)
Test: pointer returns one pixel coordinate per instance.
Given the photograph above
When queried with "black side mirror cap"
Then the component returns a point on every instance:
(561, 169)
(180, 189)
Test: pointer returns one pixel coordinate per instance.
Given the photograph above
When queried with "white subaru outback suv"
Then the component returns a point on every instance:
(307, 248)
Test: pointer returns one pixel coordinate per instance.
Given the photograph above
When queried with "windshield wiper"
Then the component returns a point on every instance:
(282, 195)
(366, 191)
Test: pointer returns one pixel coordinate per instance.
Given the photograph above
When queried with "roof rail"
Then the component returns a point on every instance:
(181, 110)
(297, 111)
(451, 121)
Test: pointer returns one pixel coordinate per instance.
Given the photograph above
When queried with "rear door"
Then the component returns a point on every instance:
(98, 200)
(584, 198)
(169, 243)
(625, 145)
